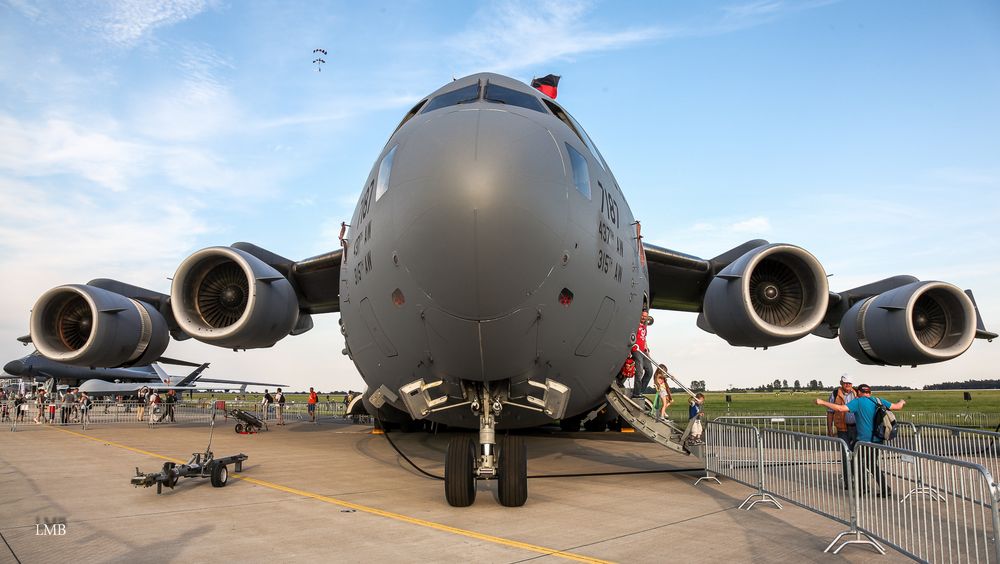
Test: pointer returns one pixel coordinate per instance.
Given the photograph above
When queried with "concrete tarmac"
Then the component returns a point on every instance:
(336, 492)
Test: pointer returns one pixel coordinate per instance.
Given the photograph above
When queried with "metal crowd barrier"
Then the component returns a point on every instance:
(809, 471)
(957, 520)
(813, 424)
(970, 445)
(964, 419)
(185, 411)
(928, 507)
(734, 451)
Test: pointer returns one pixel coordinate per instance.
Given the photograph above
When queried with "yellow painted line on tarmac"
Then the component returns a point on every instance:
(371, 510)
(118, 445)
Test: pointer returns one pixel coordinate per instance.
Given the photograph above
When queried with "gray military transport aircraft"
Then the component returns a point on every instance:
(493, 278)
(102, 381)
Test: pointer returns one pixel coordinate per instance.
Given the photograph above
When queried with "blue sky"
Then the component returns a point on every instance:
(134, 133)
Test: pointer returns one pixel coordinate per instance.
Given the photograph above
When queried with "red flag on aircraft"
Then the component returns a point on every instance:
(548, 85)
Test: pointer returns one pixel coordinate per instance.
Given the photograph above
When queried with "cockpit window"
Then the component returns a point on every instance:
(384, 170)
(581, 175)
(502, 95)
(409, 115)
(572, 124)
(463, 95)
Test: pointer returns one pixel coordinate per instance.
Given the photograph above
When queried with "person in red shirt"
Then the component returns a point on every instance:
(313, 400)
(643, 367)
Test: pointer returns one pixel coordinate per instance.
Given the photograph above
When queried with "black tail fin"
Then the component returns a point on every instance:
(193, 377)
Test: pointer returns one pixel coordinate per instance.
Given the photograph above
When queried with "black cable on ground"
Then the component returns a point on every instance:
(400, 453)
(18, 560)
(578, 475)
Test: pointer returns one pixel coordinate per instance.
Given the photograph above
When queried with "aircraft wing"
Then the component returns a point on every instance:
(238, 297)
(100, 387)
(761, 294)
(238, 382)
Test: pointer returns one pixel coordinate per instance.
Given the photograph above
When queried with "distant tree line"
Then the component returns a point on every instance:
(966, 385)
(812, 385)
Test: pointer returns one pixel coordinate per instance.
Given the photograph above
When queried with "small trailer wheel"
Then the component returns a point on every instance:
(220, 475)
(239, 428)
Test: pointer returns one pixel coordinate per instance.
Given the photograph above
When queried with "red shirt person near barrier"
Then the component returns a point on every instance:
(313, 400)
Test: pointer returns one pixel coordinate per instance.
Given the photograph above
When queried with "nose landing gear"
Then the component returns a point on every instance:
(512, 483)
(509, 466)
(459, 472)
(466, 461)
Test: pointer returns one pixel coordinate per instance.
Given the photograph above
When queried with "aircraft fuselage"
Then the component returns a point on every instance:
(492, 244)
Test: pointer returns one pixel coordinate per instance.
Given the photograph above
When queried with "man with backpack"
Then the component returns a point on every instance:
(866, 410)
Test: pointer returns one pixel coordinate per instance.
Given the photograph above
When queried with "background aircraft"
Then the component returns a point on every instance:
(40, 368)
(493, 278)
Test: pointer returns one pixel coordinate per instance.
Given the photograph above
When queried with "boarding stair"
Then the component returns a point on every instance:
(638, 413)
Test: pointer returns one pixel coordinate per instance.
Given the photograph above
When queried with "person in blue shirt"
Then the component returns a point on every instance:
(863, 408)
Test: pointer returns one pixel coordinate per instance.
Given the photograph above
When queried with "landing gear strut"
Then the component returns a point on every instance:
(509, 466)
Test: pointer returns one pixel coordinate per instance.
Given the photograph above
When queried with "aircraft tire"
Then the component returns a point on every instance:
(459, 468)
(512, 485)
(220, 475)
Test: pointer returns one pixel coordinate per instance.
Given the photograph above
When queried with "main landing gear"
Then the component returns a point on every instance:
(509, 466)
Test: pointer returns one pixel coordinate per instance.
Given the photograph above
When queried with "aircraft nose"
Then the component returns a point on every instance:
(481, 205)
(14, 368)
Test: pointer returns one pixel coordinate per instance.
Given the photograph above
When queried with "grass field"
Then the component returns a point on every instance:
(794, 402)
(985, 401)
(256, 397)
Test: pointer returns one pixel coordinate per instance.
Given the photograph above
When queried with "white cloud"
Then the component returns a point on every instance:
(56, 146)
(742, 16)
(758, 224)
(517, 35)
(104, 155)
(510, 36)
(122, 23)
(199, 105)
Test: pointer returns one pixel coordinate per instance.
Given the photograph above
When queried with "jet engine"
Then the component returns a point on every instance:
(919, 323)
(230, 298)
(88, 326)
(771, 295)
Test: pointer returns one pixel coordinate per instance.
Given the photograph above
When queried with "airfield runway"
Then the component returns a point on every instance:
(335, 491)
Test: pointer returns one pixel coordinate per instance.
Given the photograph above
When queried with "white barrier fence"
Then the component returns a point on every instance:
(949, 513)
(964, 419)
(812, 424)
(120, 412)
(808, 470)
(929, 507)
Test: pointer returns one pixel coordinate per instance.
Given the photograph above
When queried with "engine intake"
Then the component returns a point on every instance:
(919, 323)
(230, 298)
(88, 326)
(771, 295)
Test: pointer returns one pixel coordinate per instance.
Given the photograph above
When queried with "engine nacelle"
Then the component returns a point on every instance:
(230, 298)
(773, 294)
(919, 323)
(87, 326)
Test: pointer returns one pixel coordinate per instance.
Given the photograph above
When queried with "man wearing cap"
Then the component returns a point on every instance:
(841, 424)
(863, 407)
(640, 354)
